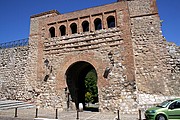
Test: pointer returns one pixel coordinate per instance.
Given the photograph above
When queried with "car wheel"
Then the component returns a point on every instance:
(160, 117)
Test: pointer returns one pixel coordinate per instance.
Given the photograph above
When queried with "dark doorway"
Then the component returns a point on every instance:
(78, 85)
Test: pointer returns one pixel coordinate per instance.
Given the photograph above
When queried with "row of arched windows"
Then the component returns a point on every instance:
(85, 26)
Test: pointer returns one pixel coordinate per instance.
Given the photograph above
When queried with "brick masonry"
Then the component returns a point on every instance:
(144, 68)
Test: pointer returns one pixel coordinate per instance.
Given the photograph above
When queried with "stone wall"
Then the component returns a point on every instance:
(13, 78)
(93, 47)
(149, 51)
(149, 55)
(144, 69)
(142, 7)
(156, 60)
(173, 67)
(150, 100)
(118, 93)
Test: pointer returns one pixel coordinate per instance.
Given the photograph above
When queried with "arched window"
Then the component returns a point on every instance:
(85, 26)
(52, 32)
(111, 22)
(97, 24)
(62, 30)
(73, 28)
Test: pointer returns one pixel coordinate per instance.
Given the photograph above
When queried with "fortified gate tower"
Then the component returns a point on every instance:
(121, 42)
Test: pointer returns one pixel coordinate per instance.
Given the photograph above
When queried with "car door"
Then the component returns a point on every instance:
(174, 111)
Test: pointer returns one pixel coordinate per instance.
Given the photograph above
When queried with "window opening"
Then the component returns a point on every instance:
(111, 22)
(85, 26)
(73, 28)
(177, 104)
(62, 30)
(52, 32)
(98, 24)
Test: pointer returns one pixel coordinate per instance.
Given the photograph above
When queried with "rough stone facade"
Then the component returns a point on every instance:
(13, 82)
(173, 67)
(141, 67)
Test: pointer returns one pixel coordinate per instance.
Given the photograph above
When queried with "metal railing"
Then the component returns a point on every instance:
(16, 43)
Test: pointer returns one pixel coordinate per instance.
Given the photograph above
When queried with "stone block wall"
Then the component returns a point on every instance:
(149, 54)
(142, 7)
(13, 78)
(92, 47)
(113, 91)
(173, 68)
(156, 78)
(144, 68)
(149, 49)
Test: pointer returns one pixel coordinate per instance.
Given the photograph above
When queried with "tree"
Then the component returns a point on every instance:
(91, 87)
(88, 98)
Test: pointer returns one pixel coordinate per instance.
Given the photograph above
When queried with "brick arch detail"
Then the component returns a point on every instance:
(52, 26)
(91, 58)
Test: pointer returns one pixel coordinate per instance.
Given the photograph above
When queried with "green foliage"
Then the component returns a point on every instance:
(91, 87)
(88, 97)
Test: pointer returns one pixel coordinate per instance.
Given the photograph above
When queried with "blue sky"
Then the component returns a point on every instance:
(15, 15)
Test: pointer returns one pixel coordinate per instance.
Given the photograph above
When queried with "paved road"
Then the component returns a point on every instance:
(30, 113)
(25, 111)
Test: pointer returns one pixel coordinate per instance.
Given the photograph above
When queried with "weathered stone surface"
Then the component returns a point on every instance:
(143, 69)
(13, 68)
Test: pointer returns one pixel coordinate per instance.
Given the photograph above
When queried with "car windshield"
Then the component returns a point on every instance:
(165, 103)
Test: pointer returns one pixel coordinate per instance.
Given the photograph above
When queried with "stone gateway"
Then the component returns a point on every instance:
(122, 42)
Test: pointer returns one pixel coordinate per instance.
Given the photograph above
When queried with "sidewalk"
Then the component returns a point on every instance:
(30, 113)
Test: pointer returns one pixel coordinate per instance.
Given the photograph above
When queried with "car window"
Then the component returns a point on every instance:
(165, 103)
(175, 105)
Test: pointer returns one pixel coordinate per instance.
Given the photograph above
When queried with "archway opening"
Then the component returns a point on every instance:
(81, 78)
(97, 24)
(111, 22)
(52, 32)
(73, 28)
(62, 30)
(85, 26)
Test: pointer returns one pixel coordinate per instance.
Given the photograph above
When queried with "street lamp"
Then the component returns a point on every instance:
(108, 69)
(46, 62)
(48, 71)
(110, 56)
